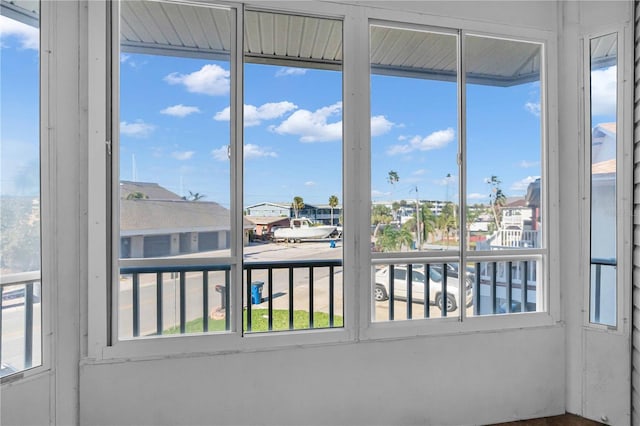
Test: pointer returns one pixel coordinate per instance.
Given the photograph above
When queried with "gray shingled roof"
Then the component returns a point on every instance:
(139, 217)
(152, 190)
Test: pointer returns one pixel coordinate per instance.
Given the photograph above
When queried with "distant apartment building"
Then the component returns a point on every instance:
(318, 213)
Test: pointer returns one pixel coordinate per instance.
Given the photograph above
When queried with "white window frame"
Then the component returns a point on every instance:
(356, 199)
(549, 279)
(48, 255)
(624, 181)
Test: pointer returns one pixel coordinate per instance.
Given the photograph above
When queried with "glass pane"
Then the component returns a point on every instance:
(292, 172)
(20, 308)
(504, 144)
(175, 176)
(603, 178)
(498, 287)
(395, 299)
(414, 145)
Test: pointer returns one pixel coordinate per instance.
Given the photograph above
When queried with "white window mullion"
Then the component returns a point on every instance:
(462, 164)
(237, 168)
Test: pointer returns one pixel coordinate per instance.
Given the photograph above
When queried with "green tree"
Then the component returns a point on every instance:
(497, 199)
(333, 202)
(393, 177)
(195, 196)
(137, 195)
(297, 205)
(428, 220)
(380, 214)
(446, 221)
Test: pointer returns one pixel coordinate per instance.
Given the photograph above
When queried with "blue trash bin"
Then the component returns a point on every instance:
(256, 292)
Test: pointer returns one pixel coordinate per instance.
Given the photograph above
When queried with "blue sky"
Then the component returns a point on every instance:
(175, 129)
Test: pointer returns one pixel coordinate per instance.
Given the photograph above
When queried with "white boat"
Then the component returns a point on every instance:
(302, 229)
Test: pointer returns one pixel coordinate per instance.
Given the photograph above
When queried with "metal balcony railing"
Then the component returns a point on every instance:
(20, 298)
(200, 273)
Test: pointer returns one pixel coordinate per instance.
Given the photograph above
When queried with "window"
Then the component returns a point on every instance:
(603, 179)
(176, 238)
(230, 220)
(20, 287)
(292, 172)
(451, 188)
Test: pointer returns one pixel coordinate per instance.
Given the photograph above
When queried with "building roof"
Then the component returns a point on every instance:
(516, 203)
(151, 190)
(266, 220)
(604, 167)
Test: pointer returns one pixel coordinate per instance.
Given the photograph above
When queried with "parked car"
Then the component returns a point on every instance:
(382, 291)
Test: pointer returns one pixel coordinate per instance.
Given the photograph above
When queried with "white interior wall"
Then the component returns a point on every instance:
(452, 379)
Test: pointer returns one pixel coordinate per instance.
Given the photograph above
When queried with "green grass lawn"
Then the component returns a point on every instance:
(260, 321)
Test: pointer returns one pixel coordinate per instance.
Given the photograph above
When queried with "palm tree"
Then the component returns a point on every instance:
(428, 220)
(497, 199)
(446, 221)
(333, 202)
(298, 204)
(393, 177)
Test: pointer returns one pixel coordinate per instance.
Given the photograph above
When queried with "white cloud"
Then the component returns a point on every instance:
(313, 126)
(28, 36)
(435, 140)
(402, 138)
(211, 79)
(419, 172)
(282, 72)
(380, 125)
(309, 183)
(253, 115)
(528, 164)
(533, 108)
(523, 184)
(255, 151)
(124, 57)
(138, 129)
(476, 196)
(250, 151)
(182, 155)
(221, 154)
(603, 91)
(180, 110)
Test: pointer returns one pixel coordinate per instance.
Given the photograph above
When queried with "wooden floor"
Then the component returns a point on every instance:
(566, 420)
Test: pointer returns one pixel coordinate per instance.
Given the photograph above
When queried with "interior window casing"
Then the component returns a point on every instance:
(357, 258)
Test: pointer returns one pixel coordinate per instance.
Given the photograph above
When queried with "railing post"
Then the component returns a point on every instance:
(494, 287)
(443, 294)
(28, 324)
(290, 297)
(525, 288)
(598, 289)
(476, 291)
(183, 303)
(331, 291)
(270, 305)
(311, 304)
(409, 281)
(136, 304)
(392, 292)
(159, 304)
(427, 289)
(205, 301)
(509, 287)
(248, 294)
(227, 309)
